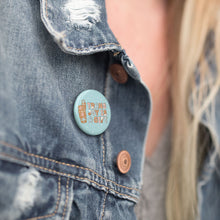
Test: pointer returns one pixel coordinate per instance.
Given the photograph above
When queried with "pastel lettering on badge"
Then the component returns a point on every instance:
(95, 112)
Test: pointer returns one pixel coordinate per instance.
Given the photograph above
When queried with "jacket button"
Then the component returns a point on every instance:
(118, 73)
(124, 161)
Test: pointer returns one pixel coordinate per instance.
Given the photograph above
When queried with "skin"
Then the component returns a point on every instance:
(140, 27)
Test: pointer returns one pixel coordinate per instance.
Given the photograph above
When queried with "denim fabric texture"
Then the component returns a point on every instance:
(51, 51)
(209, 178)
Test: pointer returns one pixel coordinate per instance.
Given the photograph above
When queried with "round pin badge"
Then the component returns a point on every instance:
(92, 112)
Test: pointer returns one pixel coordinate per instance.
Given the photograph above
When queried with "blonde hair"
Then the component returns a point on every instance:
(189, 25)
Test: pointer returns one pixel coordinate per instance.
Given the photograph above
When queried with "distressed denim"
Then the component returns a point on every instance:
(51, 51)
(49, 168)
(209, 178)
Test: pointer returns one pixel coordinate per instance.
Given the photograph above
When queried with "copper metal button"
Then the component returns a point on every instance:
(124, 161)
(118, 73)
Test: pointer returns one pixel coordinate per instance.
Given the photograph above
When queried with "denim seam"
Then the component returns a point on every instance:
(94, 46)
(80, 49)
(103, 208)
(103, 150)
(69, 175)
(66, 164)
(102, 135)
(57, 204)
(67, 198)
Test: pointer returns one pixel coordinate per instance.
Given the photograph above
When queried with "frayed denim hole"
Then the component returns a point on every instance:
(82, 14)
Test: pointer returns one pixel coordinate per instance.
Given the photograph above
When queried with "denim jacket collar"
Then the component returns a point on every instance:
(79, 27)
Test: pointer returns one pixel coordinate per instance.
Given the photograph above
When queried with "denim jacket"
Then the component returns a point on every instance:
(50, 51)
(209, 179)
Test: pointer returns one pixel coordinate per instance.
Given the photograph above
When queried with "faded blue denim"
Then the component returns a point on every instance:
(50, 169)
(209, 178)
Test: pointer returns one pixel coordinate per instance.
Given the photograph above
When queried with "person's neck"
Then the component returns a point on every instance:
(141, 28)
(140, 4)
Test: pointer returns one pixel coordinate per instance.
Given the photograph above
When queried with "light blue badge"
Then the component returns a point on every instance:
(92, 112)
